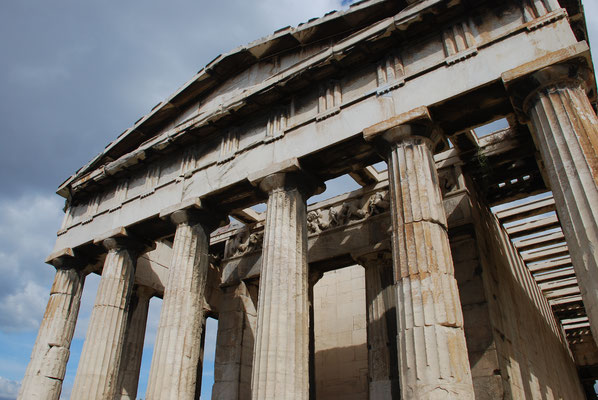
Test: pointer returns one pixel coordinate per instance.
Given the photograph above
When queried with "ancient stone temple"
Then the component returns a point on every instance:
(466, 267)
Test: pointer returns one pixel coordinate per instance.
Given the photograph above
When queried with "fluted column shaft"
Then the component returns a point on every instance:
(177, 352)
(381, 326)
(566, 130)
(46, 369)
(433, 360)
(131, 364)
(281, 358)
(98, 371)
(234, 344)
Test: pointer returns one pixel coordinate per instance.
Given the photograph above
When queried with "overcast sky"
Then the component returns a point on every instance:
(73, 76)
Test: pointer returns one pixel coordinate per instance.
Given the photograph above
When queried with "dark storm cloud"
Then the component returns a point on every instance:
(73, 76)
(76, 74)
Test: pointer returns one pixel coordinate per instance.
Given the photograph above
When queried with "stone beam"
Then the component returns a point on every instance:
(225, 175)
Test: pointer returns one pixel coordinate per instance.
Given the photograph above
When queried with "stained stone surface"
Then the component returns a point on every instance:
(281, 361)
(131, 364)
(101, 357)
(341, 354)
(431, 341)
(566, 129)
(381, 326)
(516, 307)
(173, 372)
(235, 343)
(45, 372)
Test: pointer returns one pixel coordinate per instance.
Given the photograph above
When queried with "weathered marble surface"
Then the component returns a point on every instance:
(131, 363)
(46, 369)
(281, 357)
(566, 131)
(433, 360)
(101, 357)
(178, 347)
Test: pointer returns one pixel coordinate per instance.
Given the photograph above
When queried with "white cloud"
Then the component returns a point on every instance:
(203, 32)
(8, 389)
(28, 228)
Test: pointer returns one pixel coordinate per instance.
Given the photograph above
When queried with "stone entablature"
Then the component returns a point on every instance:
(226, 158)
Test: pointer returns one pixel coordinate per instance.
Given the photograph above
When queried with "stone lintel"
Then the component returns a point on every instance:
(571, 63)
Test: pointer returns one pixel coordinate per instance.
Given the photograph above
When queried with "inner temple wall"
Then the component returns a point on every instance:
(341, 358)
(534, 360)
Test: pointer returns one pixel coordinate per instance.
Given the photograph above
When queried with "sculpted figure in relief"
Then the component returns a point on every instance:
(352, 210)
(316, 222)
(378, 203)
(253, 242)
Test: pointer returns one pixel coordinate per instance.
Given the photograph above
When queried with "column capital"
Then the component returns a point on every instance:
(287, 175)
(67, 259)
(122, 238)
(569, 67)
(416, 124)
(192, 211)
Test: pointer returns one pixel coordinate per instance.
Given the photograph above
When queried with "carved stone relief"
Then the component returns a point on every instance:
(351, 210)
(244, 242)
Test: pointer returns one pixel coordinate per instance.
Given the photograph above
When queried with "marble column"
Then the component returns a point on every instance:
(566, 132)
(381, 325)
(177, 352)
(433, 360)
(281, 358)
(234, 344)
(101, 357)
(45, 372)
(131, 363)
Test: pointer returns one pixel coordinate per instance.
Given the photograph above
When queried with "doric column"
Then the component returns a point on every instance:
(131, 363)
(566, 132)
(281, 358)
(177, 352)
(100, 363)
(234, 344)
(433, 360)
(46, 369)
(381, 325)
